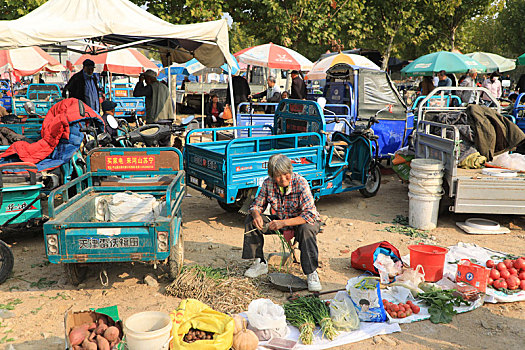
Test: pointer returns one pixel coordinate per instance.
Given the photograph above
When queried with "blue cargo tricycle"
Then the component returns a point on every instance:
(332, 162)
(82, 228)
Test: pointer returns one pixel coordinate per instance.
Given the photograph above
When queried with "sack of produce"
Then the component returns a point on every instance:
(343, 313)
(197, 326)
(266, 319)
(366, 297)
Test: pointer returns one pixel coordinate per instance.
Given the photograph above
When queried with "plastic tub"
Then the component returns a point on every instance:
(431, 257)
(148, 330)
(423, 210)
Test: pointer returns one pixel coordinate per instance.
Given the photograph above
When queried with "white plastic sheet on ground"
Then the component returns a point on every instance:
(479, 255)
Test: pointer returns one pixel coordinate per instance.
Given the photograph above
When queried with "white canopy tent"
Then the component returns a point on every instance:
(122, 24)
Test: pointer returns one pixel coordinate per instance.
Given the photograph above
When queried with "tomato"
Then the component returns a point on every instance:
(494, 274)
(394, 314)
(490, 264)
(401, 315)
(499, 284)
(395, 307)
(409, 302)
(513, 282)
(415, 308)
(522, 284)
(519, 264)
(385, 302)
(513, 271)
(501, 266)
(401, 308)
(490, 281)
(504, 274)
(521, 276)
(508, 263)
(408, 312)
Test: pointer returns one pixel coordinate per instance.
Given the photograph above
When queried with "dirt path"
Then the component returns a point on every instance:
(40, 295)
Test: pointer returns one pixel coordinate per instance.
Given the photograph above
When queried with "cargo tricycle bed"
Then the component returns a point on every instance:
(127, 207)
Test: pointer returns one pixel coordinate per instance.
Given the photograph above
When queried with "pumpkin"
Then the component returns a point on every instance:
(240, 323)
(245, 340)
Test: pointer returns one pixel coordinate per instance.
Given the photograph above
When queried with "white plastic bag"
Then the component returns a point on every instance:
(267, 319)
(343, 313)
(128, 206)
(387, 267)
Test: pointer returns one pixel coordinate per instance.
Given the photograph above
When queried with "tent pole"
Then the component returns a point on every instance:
(202, 102)
(110, 87)
(232, 107)
(13, 109)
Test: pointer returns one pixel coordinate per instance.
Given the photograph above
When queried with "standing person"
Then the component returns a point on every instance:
(214, 111)
(493, 84)
(520, 86)
(84, 86)
(469, 96)
(241, 91)
(108, 108)
(298, 86)
(158, 100)
(289, 196)
(271, 94)
(427, 85)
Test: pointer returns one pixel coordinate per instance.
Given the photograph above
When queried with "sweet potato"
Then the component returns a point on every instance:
(77, 334)
(92, 326)
(101, 328)
(77, 347)
(102, 343)
(114, 343)
(102, 319)
(92, 336)
(111, 334)
(88, 345)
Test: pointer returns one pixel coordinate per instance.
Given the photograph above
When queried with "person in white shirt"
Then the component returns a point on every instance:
(493, 84)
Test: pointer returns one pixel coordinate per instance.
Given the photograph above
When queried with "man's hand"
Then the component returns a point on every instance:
(276, 225)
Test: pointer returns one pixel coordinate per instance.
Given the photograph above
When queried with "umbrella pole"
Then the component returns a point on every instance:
(110, 87)
(171, 81)
(13, 109)
(202, 102)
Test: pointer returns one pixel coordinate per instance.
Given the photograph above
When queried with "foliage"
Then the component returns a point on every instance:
(13, 9)
(184, 11)
(442, 304)
(511, 28)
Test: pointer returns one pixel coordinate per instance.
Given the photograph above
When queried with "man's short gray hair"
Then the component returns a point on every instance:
(278, 165)
(271, 78)
(150, 73)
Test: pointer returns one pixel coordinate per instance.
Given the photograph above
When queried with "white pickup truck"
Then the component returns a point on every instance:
(466, 190)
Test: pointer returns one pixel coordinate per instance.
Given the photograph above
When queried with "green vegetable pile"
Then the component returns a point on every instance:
(305, 312)
(441, 304)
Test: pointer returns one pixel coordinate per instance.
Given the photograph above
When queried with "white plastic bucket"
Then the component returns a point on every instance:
(423, 210)
(422, 164)
(425, 186)
(426, 174)
(148, 330)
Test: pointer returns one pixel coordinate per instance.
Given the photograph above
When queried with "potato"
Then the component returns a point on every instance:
(92, 326)
(78, 334)
(111, 334)
(88, 345)
(102, 343)
(101, 328)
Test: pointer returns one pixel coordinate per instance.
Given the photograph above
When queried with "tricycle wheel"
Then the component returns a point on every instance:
(6, 261)
(75, 273)
(230, 208)
(373, 182)
(176, 258)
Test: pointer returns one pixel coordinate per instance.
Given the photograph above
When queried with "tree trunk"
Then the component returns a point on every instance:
(386, 56)
(452, 38)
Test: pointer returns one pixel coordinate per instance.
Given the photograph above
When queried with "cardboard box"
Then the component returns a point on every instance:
(473, 274)
(77, 318)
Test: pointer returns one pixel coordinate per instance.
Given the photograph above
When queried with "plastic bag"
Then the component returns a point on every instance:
(128, 206)
(264, 315)
(366, 297)
(343, 313)
(412, 277)
(387, 267)
(192, 313)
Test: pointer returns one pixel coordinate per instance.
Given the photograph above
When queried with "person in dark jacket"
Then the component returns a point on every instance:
(108, 108)
(241, 91)
(298, 86)
(84, 86)
(272, 95)
(214, 111)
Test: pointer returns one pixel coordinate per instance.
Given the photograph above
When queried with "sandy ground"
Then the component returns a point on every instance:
(41, 296)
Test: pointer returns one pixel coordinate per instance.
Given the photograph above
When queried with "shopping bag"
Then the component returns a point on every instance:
(365, 293)
(363, 258)
(343, 313)
(192, 313)
(473, 274)
(227, 114)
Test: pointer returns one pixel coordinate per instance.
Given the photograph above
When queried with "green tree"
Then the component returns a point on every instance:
(13, 9)
(184, 11)
(239, 39)
(511, 26)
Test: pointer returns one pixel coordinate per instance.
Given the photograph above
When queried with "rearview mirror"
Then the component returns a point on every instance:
(113, 123)
(187, 120)
(322, 102)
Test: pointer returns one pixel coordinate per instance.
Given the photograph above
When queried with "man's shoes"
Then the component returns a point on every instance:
(257, 269)
(314, 285)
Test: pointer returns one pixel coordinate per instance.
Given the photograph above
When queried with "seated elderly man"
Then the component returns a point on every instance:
(290, 198)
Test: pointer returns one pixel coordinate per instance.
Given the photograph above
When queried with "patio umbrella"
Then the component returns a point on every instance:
(319, 69)
(126, 61)
(28, 61)
(450, 62)
(274, 56)
(520, 61)
(493, 62)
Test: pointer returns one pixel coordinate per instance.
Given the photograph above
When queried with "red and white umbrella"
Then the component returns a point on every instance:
(28, 61)
(320, 67)
(274, 56)
(126, 61)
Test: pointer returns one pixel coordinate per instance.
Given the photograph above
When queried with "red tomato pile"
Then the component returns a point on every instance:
(508, 274)
(400, 310)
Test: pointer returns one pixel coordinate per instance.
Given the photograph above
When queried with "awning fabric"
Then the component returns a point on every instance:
(118, 22)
